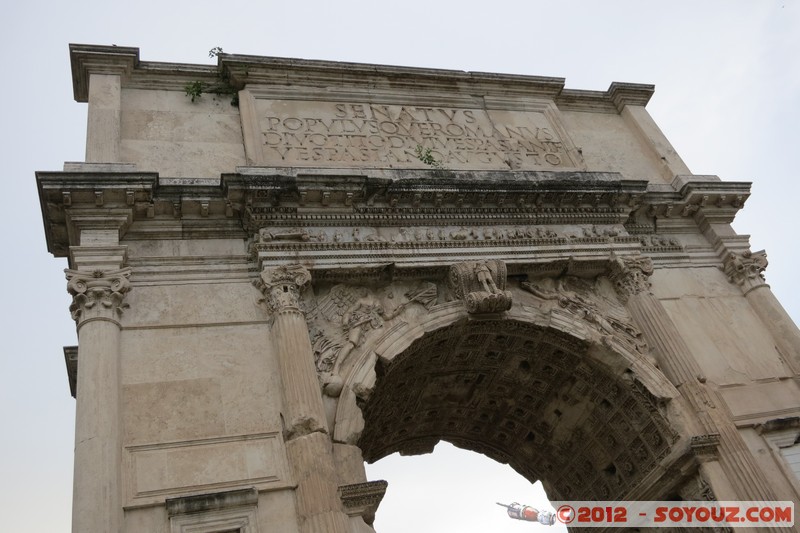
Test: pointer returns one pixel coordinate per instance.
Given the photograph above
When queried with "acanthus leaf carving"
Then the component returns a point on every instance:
(704, 447)
(746, 269)
(100, 292)
(282, 286)
(630, 275)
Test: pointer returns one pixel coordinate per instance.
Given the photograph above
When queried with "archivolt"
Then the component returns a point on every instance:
(592, 422)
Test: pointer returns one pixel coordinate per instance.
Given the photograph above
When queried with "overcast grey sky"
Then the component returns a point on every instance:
(727, 76)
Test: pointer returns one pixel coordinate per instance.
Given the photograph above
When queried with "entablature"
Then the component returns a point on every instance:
(106, 197)
(358, 218)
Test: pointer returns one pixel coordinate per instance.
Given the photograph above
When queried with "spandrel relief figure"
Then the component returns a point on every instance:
(344, 317)
(365, 314)
(581, 298)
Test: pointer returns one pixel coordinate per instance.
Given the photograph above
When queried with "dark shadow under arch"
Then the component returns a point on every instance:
(523, 394)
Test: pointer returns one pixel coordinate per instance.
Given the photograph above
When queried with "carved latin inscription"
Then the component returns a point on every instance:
(347, 134)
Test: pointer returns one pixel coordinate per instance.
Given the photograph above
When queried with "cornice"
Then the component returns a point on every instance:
(692, 199)
(258, 70)
(275, 197)
(73, 197)
(262, 71)
(613, 100)
(89, 59)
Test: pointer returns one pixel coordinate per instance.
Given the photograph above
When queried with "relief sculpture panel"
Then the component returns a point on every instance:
(341, 318)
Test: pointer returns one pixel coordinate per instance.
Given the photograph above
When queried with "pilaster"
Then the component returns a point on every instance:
(104, 119)
(746, 270)
(654, 140)
(97, 75)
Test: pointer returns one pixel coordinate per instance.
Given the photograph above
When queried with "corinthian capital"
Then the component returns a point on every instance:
(630, 275)
(282, 285)
(99, 293)
(746, 269)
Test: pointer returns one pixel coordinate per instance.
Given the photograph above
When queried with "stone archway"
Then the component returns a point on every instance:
(589, 421)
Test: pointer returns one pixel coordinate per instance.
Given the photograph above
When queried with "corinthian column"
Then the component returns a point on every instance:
(308, 444)
(97, 303)
(746, 270)
(735, 476)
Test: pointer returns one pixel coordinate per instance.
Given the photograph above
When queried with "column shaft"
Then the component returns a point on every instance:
(96, 307)
(303, 408)
(96, 500)
(308, 444)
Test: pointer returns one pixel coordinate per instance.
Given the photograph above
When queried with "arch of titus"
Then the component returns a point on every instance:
(354, 260)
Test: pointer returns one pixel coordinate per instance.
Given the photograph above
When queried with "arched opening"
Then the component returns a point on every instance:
(526, 395)
(453, 490)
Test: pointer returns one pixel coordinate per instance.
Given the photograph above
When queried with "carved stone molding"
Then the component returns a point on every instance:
(202, 503)
(234, 510)
(481, 286)
(704, 447)
(97, 294)
(282, 286)
(71, 359)
(746, 269)
(362, 499)
(630, 275)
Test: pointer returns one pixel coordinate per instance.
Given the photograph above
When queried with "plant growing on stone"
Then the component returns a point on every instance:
(196, 89)
(426, 156)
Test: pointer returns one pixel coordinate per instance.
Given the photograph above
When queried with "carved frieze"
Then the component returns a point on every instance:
(659, 243)
(746, 269)
(344, 236)
(481, 286)
(99, 293)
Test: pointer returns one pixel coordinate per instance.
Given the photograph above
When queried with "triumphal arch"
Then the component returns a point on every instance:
(281, 269)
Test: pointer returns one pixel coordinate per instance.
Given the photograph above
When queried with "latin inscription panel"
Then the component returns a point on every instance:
(351, 134)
